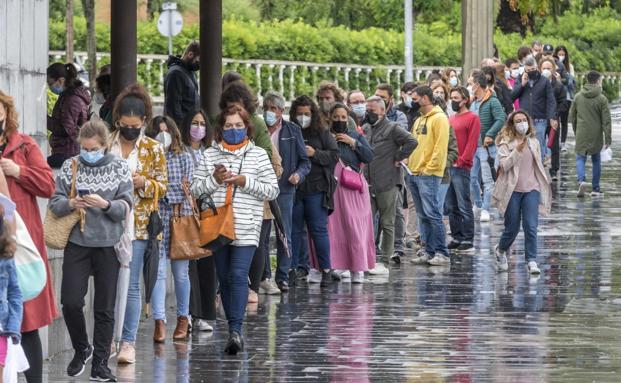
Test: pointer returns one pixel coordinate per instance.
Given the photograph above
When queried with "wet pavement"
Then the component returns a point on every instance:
(462, 323)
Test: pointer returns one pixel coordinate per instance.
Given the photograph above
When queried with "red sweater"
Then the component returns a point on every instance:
(467, 128)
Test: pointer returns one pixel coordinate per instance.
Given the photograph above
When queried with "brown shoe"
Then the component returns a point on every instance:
(181, 331)
(159, 335)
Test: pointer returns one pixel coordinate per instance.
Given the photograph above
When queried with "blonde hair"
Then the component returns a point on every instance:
(95, 129)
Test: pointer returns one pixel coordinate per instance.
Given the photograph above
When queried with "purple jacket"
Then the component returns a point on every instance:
(69, 114)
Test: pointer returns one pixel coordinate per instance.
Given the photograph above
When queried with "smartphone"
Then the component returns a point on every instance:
(9, 207)
(83, 192)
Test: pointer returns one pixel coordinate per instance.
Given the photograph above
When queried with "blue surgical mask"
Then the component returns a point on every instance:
(359, 110)
(234, 136)
(56, 89)
(453, 81)
(92, 157)
(270, 118)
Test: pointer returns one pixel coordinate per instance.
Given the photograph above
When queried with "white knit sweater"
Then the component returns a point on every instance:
(261, 185)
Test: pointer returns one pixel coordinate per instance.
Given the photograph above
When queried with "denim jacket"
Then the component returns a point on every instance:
(11, 306)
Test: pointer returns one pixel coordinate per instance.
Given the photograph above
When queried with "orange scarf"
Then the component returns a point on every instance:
(233, 148)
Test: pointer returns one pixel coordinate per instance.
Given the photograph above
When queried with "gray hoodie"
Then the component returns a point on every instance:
(111, 179)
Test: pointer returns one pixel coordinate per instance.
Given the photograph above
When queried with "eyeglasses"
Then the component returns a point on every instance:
(239, 125)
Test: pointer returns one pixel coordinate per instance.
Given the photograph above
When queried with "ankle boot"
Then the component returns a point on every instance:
(182, 329)
(159, 335)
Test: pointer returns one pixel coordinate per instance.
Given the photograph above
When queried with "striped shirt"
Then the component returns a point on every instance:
(261, 185)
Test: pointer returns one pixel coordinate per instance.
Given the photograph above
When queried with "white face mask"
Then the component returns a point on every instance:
(515, 73)
(561, 58)
(547, 73)
(521, 127)
(165, 139)
(303, 120)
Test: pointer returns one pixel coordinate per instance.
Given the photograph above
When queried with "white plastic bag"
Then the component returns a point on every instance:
(15, 363)
(606, 155)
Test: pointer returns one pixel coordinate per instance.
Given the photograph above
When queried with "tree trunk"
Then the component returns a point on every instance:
(91, 39)
(510, 20)
(69, 21)
(152, 7)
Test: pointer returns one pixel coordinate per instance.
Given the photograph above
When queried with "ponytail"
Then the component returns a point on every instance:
(72, 80)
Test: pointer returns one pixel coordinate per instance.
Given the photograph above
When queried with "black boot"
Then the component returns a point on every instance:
(235, 343)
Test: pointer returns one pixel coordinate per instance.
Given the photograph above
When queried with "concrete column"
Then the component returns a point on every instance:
(211, 55)
(477, 18)
(123, 44)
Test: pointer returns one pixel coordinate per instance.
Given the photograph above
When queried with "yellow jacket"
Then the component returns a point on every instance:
(432, 133)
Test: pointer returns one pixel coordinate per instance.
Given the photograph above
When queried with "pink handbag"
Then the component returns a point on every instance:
(350, 179)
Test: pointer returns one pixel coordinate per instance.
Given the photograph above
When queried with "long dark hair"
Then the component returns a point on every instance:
(186, 124)
(153, 129)
(304, 100)
(566, 63)
(508, 130)
(67, 71)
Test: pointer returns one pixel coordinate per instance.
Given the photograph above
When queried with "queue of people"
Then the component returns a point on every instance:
(348, 181)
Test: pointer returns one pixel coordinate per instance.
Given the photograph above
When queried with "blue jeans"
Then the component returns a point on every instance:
(522, 207)
(459, 207)
(285, 203)
(425, 191)
(597, 169)
(134, 300)
(232, 266)
(479, 164)
(540, 129)
(308, 210)
(442, 191)
(182, 288)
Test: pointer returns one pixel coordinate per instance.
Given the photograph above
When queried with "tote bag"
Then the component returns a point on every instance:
(31, 273)
(185, 232)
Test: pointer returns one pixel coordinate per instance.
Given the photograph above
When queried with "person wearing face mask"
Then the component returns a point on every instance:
(392, 114)
(569, 81)
(427, 164)
(514, 75)
(350, 226)
(326, 96)
(234, 164)
(406, 106)
(499, 87)
(197, 136)
(147, 163)
(522, 189)
(314, 198)
(287, 137)
(104, 93)
(391, 145)
(357, 103)
(549, 70)
(180, 168)
(453, 78)
(536, 96)
(591, 121)
(105, 192)
(70, 112)
(458, 204)
(492, 116)
(180, 84)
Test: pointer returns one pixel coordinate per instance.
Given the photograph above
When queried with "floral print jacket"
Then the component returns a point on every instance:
(152, 166)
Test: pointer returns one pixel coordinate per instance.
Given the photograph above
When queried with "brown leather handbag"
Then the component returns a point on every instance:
(185, 232)
(217, 223)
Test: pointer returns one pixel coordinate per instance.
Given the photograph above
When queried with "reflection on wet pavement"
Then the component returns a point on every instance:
(460, 323)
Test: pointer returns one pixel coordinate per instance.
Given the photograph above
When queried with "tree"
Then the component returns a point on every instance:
(91, 39)
(69, 21)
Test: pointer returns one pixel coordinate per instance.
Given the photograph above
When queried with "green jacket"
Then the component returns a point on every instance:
(492, 116)
(591, 121)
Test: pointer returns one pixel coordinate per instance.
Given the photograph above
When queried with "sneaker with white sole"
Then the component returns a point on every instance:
(533, 268)
(583, 188)
(501, 259)
(344, 274)
(202, 325)
(485, 217)
(476, 212)
(357, 277)
(314, 276)
(439, 260)
(421, 258)
(78, 363)
(127, 355)
(379, 269)
(597, 193)
(268, 287)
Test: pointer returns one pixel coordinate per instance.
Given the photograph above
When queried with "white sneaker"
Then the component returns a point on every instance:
(202, 325)
(501, 260)
(597, 194)
(269, 287)
(583, 188)
(379, 269)
(533, 268)
(485, 216)
(439, 260)
(127, 355)
(345, 274)
(357, 277)
(421, 258)
(314, 276)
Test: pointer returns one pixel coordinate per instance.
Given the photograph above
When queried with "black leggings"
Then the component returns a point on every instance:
(563, 116)
(31, 343)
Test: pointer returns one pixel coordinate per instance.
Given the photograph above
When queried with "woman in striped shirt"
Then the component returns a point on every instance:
(235, 162)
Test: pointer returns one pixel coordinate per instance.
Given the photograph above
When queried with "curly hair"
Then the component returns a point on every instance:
(11, 122)
(508, 131)
(238, 92)
(231, 111)
(326, 86)
(304, 100)
(135, 100)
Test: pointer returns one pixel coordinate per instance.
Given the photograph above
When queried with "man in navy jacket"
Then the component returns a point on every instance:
(536, 95)
(287, 139)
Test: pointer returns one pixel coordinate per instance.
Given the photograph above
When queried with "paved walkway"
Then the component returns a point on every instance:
(462, 323)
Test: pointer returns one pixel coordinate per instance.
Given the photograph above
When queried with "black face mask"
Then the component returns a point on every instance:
(415, 107)
(339, 127)
(534, 75)
(130, 134)
(455, 105)
(372, 118)
(193, 66)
